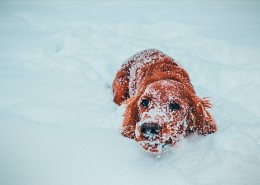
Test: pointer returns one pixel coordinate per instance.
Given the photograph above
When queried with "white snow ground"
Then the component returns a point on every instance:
(58, 124)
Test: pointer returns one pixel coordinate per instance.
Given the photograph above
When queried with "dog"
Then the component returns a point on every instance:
(161, 105)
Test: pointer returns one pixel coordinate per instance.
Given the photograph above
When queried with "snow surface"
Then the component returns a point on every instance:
(58, 124)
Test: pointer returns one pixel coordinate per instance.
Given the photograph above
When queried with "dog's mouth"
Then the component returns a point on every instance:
(157, 142)
(155, 146)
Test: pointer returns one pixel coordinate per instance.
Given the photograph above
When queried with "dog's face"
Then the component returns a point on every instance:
(162, 112)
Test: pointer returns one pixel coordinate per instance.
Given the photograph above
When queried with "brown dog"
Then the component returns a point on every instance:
(161, 103)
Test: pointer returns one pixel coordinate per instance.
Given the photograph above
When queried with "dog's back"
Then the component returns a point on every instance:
(144, 65)
(141, 69)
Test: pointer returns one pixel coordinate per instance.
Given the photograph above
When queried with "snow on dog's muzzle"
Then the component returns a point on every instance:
(157, 131)
(149, 136)
(157, 137)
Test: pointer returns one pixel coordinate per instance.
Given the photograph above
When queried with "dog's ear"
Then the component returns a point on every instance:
(131, 117)
(198, 118)
(120, 86)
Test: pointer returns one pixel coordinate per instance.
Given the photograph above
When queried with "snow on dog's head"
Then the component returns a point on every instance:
(162, 111)
(161, 103)
(159, 114)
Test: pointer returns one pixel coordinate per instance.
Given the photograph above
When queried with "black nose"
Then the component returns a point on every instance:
(149, 129)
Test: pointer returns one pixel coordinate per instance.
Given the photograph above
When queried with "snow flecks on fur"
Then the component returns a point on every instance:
(137, 61)
(172, 123)
(154, 77)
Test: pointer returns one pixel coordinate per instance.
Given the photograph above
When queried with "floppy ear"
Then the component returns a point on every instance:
(120, 86)
(198, 118)
(131, 117)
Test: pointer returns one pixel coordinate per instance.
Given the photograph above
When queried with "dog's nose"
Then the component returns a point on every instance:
(149, 129)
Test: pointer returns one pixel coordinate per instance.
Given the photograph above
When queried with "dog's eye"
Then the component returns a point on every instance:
(145, 102)
(174, 106)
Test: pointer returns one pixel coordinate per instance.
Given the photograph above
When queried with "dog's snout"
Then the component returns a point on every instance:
(149, 129)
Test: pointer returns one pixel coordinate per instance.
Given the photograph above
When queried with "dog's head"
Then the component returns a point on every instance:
(163, 113)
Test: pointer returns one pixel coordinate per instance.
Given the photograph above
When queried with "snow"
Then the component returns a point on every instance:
(58, 124)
